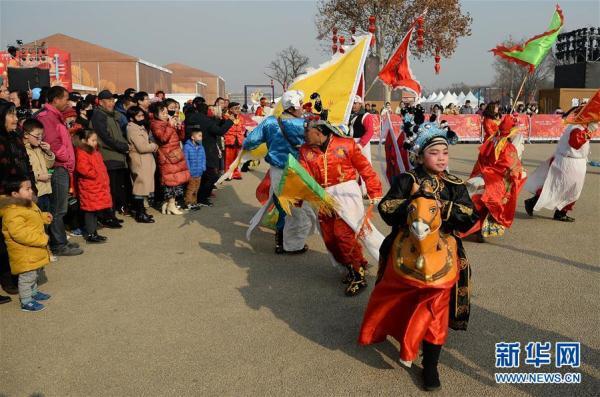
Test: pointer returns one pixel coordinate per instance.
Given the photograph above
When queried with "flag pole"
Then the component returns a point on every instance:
(519, 93)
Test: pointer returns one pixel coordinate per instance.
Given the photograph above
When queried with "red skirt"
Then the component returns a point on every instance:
(410, 313)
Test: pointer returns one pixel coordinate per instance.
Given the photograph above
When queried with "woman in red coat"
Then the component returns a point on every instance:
(92, 184)
(174, 172)
(491, 120)
(234, 138)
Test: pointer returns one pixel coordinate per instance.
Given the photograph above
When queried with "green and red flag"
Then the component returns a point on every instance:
(533, 52)
(297, 185)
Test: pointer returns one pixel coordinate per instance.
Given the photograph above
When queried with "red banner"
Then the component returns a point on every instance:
(546, 126)
(466, 126)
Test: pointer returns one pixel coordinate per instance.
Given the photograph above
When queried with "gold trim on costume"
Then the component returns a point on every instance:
(389, 206)
(464, 209)
(451, 178)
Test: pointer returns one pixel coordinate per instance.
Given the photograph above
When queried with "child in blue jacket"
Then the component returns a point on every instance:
(196, 162)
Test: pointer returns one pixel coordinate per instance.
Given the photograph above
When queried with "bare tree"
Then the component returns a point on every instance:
(444, 23)
(288, 65)
(509, 76)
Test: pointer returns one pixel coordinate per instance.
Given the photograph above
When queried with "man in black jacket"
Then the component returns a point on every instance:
(114, 148)
(212, 131)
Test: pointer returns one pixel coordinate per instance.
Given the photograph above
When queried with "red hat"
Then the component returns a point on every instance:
(590, 113)
(69, 112)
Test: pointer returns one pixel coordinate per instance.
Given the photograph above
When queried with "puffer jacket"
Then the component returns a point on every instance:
(171, 160)
(195, 158)
(23, 229)
(93, 184)
(268, 132)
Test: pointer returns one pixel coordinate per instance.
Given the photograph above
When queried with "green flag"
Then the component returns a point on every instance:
(533, 52)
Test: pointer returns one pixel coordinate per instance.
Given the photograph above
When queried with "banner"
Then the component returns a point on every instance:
(546, 126)
(466, 126)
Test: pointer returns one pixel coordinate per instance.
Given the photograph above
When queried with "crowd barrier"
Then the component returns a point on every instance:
(469, 127)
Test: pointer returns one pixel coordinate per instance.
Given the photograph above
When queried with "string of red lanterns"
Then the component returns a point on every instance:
(372, 29)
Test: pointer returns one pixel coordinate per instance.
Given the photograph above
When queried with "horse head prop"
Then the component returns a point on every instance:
(424, 254)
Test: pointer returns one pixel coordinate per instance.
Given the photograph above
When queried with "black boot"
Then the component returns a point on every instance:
(431, 356)
(140, 212)
(94, 238)
(562, 216)
(530, 203)
(279, 241)
(357, 283)
(349, 275)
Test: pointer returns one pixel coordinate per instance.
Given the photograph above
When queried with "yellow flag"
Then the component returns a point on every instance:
(336, 81)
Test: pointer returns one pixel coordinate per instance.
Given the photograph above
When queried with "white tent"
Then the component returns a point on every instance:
(447, 99)
(455, 97)
(472, 98)
(439, 97)
(431, 97)
(461, 98)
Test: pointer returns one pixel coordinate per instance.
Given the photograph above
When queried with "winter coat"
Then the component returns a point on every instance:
(23, 229)
(141, 159)
(171, 160)
(57, 136)
(13, 158)
(111, 142)
(212, 131)
(40, 163)
(195, 158)
(268, 132)
(235, 135)
(93, 185)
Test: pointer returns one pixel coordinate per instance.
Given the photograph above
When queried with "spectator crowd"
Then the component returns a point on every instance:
(70, 165)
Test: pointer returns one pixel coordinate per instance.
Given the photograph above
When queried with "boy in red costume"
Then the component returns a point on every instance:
(335, 163)
(496, 181)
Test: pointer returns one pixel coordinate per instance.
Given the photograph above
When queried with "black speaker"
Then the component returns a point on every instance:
(577, 75)
(28, 78)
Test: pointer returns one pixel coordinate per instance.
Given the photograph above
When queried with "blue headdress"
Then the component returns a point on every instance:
(429, 133)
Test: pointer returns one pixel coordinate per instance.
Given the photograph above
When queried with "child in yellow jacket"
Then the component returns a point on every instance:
(26, 240)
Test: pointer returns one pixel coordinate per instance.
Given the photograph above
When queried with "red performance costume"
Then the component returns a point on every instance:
(336, 165)
(234, 138)
(490, 127)
(496, 181)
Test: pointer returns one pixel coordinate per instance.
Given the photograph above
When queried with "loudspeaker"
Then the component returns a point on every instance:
(577, 75)
(27, 78)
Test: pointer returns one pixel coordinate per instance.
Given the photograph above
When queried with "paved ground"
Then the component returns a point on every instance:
(188, 307)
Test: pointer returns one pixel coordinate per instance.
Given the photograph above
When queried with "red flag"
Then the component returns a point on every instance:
(396, 73)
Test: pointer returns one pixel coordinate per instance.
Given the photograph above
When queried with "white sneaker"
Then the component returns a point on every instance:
(53, 258)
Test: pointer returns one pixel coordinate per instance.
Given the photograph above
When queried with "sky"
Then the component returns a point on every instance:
(238, 39)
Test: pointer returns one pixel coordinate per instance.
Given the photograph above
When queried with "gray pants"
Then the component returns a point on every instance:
(27, 286)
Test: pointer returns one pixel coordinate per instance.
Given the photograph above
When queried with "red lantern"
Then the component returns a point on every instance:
(437, 61)
(342, 41)
(420, 32)
(334, 47)
(372, 29)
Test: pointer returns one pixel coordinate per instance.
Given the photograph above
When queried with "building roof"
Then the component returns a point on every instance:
(85, 51)
(184, 73)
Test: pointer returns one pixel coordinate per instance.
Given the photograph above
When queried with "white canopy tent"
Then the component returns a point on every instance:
(447, 99)
(461, 98)
(472, 98)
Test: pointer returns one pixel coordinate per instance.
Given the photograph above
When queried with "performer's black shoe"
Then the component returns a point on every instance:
(431, 356)
(530, 204)
(358, 282)
(480, 237)
(348, 277)
(562, 216)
